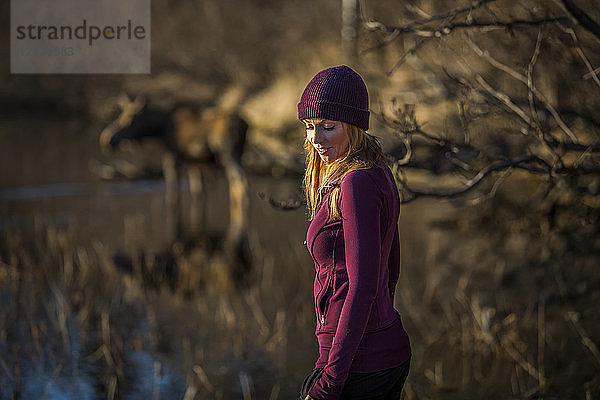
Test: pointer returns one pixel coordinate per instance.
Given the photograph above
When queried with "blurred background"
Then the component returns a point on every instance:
(123, 275)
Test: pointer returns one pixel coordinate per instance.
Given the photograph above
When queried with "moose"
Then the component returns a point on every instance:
(192, 137)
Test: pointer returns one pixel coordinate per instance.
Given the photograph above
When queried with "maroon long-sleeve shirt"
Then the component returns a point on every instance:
(357, 261)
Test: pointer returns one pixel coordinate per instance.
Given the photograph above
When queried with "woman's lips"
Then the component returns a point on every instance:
(323, 150)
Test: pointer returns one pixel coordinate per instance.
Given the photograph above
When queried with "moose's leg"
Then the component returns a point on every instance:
(196, 204)
(236, 239)
(172, 196)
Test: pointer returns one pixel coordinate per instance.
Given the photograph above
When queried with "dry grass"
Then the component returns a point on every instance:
(497, 304)
(72, 323)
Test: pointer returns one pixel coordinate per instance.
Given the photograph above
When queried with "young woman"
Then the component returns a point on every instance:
(364, 351)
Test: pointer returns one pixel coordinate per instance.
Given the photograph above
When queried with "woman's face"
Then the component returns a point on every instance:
(328, 137)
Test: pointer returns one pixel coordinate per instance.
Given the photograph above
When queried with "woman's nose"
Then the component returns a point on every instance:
(317, 136)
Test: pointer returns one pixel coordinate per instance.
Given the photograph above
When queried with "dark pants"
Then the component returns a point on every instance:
(380, 385)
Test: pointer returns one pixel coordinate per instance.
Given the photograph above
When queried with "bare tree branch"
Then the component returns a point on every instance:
(530, 95)
(446, 16)
(581, 18)
(553, 149)
(464, 122)
(580, 52)
(495, 187)
(416, 10)
(487, 26)
(288, 205)
(407, 54)
(374, 25)
(592, 73)
(477, 179)
(590, 148)
(504, 98)
(520, 77)
(455, 12)
(446, 29)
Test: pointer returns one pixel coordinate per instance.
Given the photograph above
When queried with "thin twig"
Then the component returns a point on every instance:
(504, 98)
(580, 17)
(492, 193)
(541, 344)
(455, 12)
(375, 25)
(507, 346)
(573, 318)
(246, 383)
(51, 382)
(583, 155)
(520, 77)
(530, 96)
(406, 139)
(6, 370)
(203, 378)
(588, 148)
(407, 54)
(418, 45)
(464, 121)
(416, 10)
(590, 74)
(580, 52)
(288, 205)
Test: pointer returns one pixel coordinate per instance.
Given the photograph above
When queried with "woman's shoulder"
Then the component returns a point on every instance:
(373, 176)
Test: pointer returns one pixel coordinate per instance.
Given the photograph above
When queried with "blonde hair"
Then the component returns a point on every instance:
(363, 152)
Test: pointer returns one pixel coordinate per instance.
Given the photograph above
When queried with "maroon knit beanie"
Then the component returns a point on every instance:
(338, 94)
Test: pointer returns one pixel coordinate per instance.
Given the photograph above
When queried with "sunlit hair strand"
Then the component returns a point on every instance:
(364, 151)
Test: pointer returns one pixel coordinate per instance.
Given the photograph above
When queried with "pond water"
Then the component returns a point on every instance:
(75, 325)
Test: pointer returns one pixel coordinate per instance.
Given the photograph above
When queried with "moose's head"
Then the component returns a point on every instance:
(135, 122)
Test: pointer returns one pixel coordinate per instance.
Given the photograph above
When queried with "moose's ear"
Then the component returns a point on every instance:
(123, 101)
(139, 102)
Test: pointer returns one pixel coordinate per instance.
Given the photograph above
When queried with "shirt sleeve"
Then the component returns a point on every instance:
(360, 206)
(394, 263)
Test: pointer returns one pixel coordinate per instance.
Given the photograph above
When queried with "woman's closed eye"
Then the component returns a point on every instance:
(326, 126)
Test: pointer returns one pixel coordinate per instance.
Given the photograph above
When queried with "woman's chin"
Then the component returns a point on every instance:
(326, 158)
